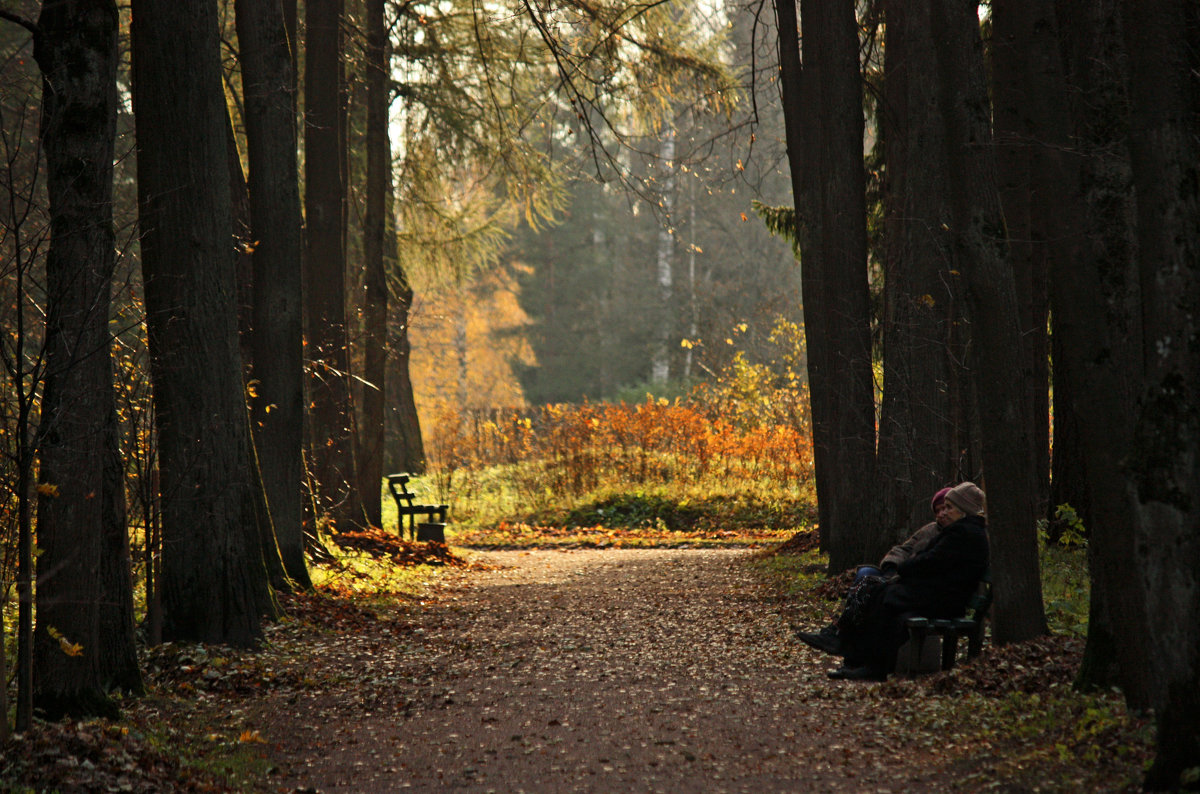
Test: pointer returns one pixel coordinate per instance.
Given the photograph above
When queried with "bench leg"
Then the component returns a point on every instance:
(917, 635)
(975, 642)
(949, 649)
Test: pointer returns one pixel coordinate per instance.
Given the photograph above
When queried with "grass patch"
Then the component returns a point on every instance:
(1055, 741)
(794, 576)
(364, 575)
(497, 507)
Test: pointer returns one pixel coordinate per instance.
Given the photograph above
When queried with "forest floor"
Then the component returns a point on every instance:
(563, 670)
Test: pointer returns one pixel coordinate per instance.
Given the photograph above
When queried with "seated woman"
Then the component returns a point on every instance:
(916, 543)
(936, 582)
(828, 639)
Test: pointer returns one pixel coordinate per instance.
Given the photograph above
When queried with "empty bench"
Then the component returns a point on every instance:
(434, 525)
(913, 657)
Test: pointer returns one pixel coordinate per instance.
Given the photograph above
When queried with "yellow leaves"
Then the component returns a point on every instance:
(744, 218)
(928, 300)
(67, 647)
(48, 490)
(251, 737)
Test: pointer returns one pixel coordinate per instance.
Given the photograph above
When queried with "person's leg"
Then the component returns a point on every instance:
(873, 643)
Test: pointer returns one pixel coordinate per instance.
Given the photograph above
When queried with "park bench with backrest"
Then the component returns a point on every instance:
(434, 525)
(914, 656)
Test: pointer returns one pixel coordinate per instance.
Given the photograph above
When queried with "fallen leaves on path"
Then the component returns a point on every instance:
(372, 685)
(382, 544)
(517, 534)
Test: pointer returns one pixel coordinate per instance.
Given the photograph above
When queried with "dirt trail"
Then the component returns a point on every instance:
(591, 670)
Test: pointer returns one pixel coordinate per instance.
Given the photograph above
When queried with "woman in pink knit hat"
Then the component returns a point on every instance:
(935, 582)
(827, 638)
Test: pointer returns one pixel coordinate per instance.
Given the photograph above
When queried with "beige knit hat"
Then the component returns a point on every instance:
(967, 497)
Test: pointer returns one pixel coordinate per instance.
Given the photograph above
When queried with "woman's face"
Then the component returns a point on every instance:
(946, 514)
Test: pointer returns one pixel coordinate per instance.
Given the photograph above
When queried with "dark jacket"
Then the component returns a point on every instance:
(938, 581)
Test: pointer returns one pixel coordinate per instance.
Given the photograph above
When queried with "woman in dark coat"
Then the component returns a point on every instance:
(936, 583)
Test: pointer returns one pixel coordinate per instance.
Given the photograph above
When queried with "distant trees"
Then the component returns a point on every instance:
(591, 283)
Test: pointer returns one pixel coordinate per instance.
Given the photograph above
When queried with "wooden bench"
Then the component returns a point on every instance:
(434, 526)
(971, 626)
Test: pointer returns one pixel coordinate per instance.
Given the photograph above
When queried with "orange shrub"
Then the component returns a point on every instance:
(572, 449)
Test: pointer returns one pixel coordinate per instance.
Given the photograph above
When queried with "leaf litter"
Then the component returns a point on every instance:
(582, 670)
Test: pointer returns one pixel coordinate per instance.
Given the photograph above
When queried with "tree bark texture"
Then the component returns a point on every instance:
(1028, 109)
(84, 594)
(408, 445)
(796, 95)
(375, 294)
(822, 99)
(923, 434)
(277, 410)
(331, 419)
(239, 192)
(1163, 43)
(1097, 330)
(664, 260)
(995, 358)
(214, 585)
(243, 235)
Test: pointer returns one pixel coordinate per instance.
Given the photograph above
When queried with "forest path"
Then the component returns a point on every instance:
(667, 670)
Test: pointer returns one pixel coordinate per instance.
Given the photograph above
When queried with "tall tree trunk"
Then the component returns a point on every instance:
(823, 117)
(1025, 68)
(277, 411)
(798, 103)
(922, 434)
(330, 416)
(375, 303)
(980, 238)
(1097, 336)
(214, 584)
(664, 259)
(243, 236)
(409, 445)
(84, 594)
(1163, 42)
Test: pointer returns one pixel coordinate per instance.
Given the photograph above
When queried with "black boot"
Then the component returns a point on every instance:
(827, 640)
(863, 673)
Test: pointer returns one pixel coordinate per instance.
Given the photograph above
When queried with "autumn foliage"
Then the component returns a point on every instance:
(576, 447)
